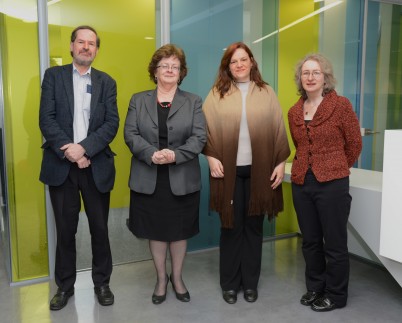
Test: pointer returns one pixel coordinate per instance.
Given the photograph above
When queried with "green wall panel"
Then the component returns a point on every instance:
(293, 44)
(23, 156)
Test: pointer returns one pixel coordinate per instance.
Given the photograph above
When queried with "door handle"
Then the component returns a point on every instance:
(367, 132)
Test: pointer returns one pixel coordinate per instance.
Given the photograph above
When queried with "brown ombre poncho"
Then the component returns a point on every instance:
(268, 142)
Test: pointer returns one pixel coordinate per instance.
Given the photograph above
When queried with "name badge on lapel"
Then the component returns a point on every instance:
(89, 88)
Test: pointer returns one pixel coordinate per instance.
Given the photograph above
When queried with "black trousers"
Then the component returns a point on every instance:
(322, 212)
(241, 246)
(66, 201)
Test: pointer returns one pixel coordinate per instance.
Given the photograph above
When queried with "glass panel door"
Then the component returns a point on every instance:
(4, 215)
(381, 106)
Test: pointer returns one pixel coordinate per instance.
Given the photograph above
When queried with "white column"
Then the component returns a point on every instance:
(391, 206)
(165, 22)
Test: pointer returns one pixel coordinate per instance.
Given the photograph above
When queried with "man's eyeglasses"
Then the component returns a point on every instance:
(315, 74)
(166, 67)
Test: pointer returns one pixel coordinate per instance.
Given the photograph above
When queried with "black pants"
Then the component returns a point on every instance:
(241, 246)
(66, 203)
(323, 211)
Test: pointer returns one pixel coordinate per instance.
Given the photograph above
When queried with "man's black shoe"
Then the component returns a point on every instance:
(309, 298)
(323, 304)
(250, 295)
(105, 295)
(230, 296)
(60, 299)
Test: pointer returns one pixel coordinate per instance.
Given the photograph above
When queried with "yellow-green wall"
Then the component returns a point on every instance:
(23, 140)
(293, 44)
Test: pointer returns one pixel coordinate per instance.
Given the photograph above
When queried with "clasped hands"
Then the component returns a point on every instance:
(75, 154)
(164, 156)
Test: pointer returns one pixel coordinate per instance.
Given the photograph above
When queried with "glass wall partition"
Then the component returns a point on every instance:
(23, 221)
(5, 257)
(381, 102)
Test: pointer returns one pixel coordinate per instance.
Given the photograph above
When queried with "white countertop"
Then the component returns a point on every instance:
(359, 178)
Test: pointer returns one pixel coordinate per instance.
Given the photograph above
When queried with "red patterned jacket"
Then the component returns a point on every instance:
(329, 144)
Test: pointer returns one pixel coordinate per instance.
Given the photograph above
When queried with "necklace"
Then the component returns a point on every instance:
(165, 105)
(164, 95)
(306, 112)
(310, 109)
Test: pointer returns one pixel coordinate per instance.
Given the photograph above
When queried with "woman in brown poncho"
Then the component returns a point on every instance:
(246, 150)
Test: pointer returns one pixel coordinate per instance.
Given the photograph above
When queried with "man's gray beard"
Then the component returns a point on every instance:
(84, 63)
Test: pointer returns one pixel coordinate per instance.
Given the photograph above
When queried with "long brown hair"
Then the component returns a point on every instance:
(225, 78)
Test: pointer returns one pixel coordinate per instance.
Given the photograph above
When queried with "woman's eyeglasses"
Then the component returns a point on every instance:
(315, 74)
(166, 67)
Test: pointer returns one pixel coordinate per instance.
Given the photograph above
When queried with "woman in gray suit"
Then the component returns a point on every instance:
(165, 132)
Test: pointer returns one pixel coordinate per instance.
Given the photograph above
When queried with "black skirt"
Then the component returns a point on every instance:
(163, 216)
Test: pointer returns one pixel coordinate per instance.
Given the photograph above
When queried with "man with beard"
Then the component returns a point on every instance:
(78, 119)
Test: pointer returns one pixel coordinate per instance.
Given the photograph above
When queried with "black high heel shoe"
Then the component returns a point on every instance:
(159, 299)
(185, 297)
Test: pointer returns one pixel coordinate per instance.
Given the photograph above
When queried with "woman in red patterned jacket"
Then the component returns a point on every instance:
(326, 133)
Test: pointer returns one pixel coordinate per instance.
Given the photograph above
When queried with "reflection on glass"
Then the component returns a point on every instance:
(24, 211)
(383, 81)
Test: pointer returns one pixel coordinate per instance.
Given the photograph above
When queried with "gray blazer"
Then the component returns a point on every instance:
(56, 123)
(186, 137)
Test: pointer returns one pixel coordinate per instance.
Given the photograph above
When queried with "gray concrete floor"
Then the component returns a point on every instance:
(374, 296)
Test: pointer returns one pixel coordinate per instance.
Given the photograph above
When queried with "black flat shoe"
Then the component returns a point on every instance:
(185, 297)
(60, 299)
(323, 304)
(309, 298)
(250, 295)
(230, 296)
(105, 295)
(159, 299)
